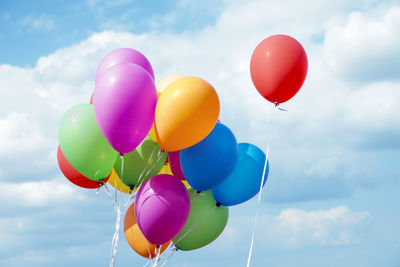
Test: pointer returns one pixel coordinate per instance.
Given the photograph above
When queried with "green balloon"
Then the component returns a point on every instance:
(83, 144)
(136, 161)
(209, 228)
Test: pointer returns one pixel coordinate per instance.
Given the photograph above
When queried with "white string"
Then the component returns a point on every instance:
(118, 210)
(173, 250)
(258, 207)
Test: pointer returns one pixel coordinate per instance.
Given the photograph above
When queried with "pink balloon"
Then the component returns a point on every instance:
(162, 207)
(124, 105)
(124, 55)
(175, 164)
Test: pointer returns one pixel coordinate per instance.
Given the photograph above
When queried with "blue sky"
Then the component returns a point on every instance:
(333, 192)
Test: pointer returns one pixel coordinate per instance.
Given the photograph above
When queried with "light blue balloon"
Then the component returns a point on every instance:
(244, 181)
(208, 163)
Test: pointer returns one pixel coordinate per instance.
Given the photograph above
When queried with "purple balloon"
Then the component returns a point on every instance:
(124, 55)
(162, 207)
(175, 164)
(124, 105)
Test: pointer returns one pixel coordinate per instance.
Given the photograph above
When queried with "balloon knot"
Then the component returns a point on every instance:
(218, 204)
(101, 182)
(131, 187)
(198, 191)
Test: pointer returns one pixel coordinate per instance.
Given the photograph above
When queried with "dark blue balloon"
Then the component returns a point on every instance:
(207, 163)
(244, 181)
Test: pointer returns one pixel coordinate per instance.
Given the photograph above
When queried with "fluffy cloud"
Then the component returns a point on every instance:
(321, 146)
(38, 194)
(297, 228)
(366, 47)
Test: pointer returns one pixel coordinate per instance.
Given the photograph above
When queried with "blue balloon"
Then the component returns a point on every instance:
(244, 181)
(208, 163)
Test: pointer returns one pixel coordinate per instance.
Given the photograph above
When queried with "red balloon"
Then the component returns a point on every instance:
(278, 68)
(74, 176)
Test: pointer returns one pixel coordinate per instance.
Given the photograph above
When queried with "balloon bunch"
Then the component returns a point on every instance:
(163, 145)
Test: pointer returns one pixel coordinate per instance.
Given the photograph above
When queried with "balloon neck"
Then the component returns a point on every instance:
(131, 187)
(101, 182)
(121, 155)
(198, 191)
(277, 106)
(157, 246)
(218, 204)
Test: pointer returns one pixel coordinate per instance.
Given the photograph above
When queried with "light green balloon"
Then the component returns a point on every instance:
(207, 230)
(83, 144)
(136, 161)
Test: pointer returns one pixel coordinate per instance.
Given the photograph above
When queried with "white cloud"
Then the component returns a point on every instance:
(39, 193)
(42, 22)
(324, 139)
(298, 229)
(366, 47)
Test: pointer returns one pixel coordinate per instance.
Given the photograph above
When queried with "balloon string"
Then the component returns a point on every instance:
(195, 225)
(122, 175)
(157, 250)
(173, 250)
(114, 242)
(257, 209)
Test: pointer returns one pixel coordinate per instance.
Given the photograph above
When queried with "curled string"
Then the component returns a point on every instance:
(257, 209)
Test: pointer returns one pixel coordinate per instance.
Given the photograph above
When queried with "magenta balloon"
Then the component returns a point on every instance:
(124, 55)
(175, 164)
(124, 105)
(162, 207)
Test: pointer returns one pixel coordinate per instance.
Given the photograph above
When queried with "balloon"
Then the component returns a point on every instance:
(124, 104)
(186, 113)
(161, 86)
(83, 145)
(115, 182)
(136, 239)
(203, 231)
(137, 160)
(208, 163)
(74, 176)
(244, 181)
(124, 55)
(278, 68)
(164, 83)
(162, 207)
(175, 163)
(166, 169)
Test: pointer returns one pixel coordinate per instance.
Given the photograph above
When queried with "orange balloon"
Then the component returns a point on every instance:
(136, 239)
(186, 113)
(161, 86)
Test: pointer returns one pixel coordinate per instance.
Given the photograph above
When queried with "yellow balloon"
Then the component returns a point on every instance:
(167, 170)
(186, 184)
(186, 113)
(164, 83)
(161, 85)
(116, 183)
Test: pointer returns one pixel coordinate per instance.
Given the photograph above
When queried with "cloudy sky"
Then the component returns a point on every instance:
(333, 194)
